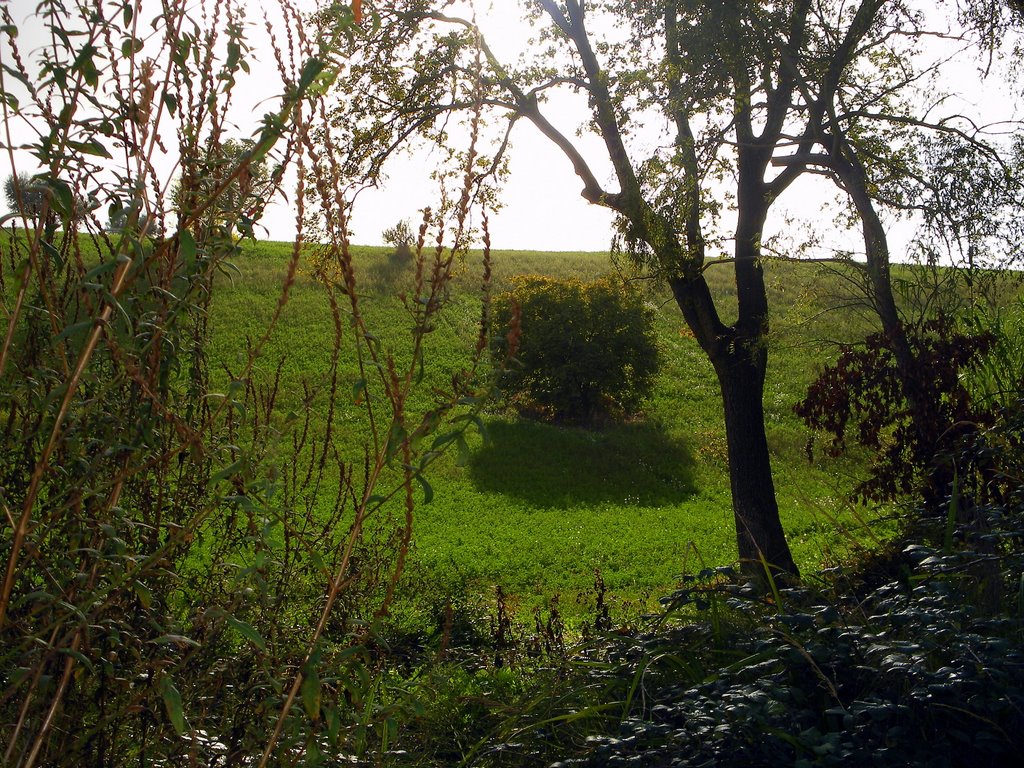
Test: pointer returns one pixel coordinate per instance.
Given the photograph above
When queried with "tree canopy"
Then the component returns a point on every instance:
(23, 196)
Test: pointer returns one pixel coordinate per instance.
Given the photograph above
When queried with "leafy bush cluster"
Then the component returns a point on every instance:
(861, 393)
(581, 351)
(188, 571)
(916, 674)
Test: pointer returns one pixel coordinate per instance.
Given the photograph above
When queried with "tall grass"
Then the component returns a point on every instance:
(198, 545)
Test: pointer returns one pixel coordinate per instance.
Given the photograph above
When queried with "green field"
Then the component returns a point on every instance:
(538, 509)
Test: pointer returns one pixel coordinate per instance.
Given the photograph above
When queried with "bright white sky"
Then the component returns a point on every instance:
(543, 208)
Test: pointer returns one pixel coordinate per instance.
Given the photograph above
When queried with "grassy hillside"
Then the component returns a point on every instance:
(539, 509)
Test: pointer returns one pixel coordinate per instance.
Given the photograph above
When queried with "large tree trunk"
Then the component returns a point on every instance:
(740, 363)
(759, 534)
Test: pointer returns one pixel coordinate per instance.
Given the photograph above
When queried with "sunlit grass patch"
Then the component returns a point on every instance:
(537, 509)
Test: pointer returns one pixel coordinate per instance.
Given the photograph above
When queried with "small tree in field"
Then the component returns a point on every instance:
(587, 351)
(401, 238)
(23, 196)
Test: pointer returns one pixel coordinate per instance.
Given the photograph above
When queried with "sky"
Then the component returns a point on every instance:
(542, 209)
(542, 206)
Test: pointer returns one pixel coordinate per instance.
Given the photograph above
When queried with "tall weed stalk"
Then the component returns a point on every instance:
(186, 571)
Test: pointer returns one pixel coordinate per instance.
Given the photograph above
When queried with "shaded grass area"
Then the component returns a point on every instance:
(538, 509)
(550, 467)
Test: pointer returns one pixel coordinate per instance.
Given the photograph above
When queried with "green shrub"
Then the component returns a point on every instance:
(581, 352)
(402, 238)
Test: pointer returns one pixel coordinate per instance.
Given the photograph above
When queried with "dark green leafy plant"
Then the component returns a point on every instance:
(907, 657)
(861, 394)
(582, 352)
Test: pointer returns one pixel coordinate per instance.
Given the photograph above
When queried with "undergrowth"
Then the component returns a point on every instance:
(911, 655)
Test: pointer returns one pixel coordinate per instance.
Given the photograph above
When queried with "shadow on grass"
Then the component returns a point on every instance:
(548, 466)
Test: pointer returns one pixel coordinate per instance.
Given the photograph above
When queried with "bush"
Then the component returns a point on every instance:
(860, 396)
(402, 238)
(581, 352)
(195, 574)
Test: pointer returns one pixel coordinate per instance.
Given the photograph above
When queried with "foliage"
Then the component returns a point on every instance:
(189, 570)
(24, 196)
(582, 351)
(909, 656)
(998, 380)
(240, 195)
(402, 239)
(862, 393)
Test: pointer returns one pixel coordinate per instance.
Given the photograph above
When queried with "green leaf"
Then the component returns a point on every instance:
(428, 491)
(311, 693)
(143, 592)
(130, 46)
(53, 254)
(463, 448)
(481, 428)
(178, 641)
(357, 390)
(63, 199)
(396, 437)
(78, 656)
(234, 54)
(333, 725)
(93, 148)
(172, 702)
(232, 469)
(310, 71)
(9, 29)
(100, 269)
(420, 370)
(248, 632)
(187, 247)
(86, 65)
(75, 329)
(317, 561)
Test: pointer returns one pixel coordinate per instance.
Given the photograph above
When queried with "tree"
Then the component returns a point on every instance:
(584, 352)
(239, 188)
(746, 90)
(886, 153)
(402, 238)
(24, 196)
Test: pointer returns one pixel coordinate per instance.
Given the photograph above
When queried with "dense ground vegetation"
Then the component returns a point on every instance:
(726, 672)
